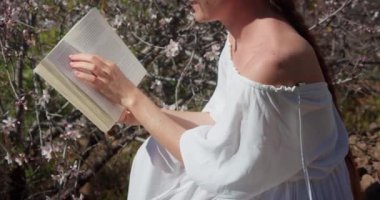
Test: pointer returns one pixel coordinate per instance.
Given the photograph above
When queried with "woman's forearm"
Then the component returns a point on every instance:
(189, 120)
(166, 127)
(160, 125)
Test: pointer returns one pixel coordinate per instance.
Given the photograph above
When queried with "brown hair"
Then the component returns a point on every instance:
(288, 10)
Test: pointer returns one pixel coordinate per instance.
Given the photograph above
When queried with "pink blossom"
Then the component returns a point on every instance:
(200, 66)
(74, 169)
(70, 133)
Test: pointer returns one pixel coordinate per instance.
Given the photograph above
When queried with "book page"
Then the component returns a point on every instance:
(59, 56)
(94, 35)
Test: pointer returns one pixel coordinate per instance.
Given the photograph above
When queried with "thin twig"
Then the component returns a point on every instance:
(145, 42)
(2, 52)
(8, 74)
(346, 3)
(183, 74)
(27, 25)
(10, 82)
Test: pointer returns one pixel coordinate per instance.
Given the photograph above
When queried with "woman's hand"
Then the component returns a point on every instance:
(104, 76)
(129, 118)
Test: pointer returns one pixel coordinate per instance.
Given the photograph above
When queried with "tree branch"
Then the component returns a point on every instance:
(346, 3)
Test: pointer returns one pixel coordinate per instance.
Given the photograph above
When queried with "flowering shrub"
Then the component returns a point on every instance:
(44, 140)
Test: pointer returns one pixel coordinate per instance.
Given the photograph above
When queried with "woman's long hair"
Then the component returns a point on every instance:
(288, 10)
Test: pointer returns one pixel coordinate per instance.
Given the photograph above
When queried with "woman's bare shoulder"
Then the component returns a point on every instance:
(286, 60)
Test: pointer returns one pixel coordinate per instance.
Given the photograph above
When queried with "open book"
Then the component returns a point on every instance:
(92, 34)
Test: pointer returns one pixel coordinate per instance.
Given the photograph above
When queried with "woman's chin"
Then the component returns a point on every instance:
(199, 17)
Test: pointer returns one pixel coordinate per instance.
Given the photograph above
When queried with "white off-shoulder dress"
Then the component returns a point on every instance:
(267, 143)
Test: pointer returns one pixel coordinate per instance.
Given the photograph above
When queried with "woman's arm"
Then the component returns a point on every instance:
(165, 126)
(189, 120)
(160, 126)
(186, 119)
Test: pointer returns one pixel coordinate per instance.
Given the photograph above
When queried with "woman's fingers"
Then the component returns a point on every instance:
(101, 74)
(97, 60)
(91, 68)
(85, 57)
(93, 64)
(92, 80)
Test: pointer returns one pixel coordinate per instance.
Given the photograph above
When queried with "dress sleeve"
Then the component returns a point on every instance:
(255, 144)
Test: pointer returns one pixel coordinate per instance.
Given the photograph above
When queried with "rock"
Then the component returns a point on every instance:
(376, 166)
(87, 191)
(366, 181)
(361, 161)
(362, 146)
(374, 136)
(357, 151)
(352, 139)
(373, 125)
(376, 154)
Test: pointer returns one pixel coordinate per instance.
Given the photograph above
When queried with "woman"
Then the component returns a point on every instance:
(270, 130)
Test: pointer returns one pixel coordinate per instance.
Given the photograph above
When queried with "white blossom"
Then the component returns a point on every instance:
(15, 13)
(61, 177)
(64, 2)
(157, 86)
(184, 108)
(45, 98)
(46, 8)
(172, 49)
(118, 21)
(190, 17)
(165, 21)
(375, 15)
(81, 197)
(8, 125)
(71, 133)
(153, 16)
(46, 151)
(169, 107)
(34, 4)
(21, 159)
(23, 102)
(214, 53)
(8, 158)
(48, 24)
